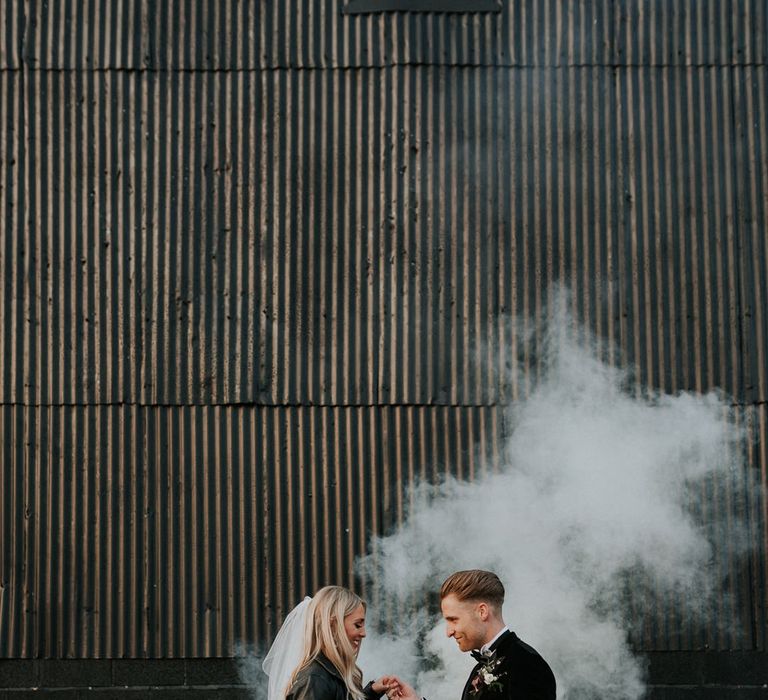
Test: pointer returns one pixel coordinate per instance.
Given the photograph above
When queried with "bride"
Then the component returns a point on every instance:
(314, 656)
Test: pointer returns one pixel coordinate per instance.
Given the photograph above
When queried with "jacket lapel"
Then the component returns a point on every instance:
(504, 637)
(468, 684)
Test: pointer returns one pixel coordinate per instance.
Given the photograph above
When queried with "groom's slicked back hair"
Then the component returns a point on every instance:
(475, 584)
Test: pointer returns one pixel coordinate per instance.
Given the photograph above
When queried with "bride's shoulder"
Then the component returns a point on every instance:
(312, 683)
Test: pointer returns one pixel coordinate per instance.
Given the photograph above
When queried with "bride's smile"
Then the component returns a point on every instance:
(354, 626)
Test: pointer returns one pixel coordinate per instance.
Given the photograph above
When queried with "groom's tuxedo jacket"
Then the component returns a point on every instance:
(523, 674)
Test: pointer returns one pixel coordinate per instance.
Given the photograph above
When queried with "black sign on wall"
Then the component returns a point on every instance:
(354, 7)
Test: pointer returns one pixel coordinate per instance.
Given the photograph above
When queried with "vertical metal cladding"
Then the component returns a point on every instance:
(681, 317)
(11, 31)
(210, 237)
(758, 516)
(328, 237)
(136, 531)
(230, 35)
(751, 186)
(260, 264)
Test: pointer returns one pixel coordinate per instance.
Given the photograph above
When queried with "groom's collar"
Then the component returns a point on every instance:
(487, 647)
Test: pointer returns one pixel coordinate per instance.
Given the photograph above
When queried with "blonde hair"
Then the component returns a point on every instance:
(476, 585)
(324, 633)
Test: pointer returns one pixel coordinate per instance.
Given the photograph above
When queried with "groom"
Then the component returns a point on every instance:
(507, 668)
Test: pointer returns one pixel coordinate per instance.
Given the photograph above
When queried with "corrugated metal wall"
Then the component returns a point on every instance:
(177, 531)
(250, 247)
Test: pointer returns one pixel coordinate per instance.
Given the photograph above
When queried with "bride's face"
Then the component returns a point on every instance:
(354, 626)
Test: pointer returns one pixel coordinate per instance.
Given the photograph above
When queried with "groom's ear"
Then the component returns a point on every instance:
(484, 611)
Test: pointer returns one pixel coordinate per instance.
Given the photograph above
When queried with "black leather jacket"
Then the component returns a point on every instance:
(321, 681)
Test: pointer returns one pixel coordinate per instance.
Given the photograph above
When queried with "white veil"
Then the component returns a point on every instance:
(285, 653)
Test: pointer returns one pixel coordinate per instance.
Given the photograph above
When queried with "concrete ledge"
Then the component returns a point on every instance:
(117, 693)
(203, 694)
(18, 673)
(148, 672)
(179, 693)
(120, 673)
(75, 673)
(212, 672)
(707, 693)
(708, 668)
(47, 693)
(737, 668)
(673, 675)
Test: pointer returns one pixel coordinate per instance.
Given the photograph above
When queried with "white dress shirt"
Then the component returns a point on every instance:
(485, 649)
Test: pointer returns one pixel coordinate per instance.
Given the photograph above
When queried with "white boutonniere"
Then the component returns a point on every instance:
(487, 676)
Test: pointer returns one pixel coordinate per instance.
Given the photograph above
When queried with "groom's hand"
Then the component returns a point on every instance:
(385, 684)
(403, 691)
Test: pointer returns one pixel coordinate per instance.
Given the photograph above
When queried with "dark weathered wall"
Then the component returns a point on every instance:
(253, 261)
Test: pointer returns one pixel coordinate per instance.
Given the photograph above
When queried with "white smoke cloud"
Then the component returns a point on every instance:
(248, 659)
(593, 499)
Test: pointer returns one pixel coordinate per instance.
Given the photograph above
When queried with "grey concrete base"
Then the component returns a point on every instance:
(708, 693)
(684, 675)
(123, 679)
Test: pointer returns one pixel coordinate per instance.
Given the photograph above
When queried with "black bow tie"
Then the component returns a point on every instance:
(478, 656)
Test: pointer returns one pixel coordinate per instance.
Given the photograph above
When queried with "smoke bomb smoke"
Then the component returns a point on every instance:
(592, 506)
(248, 659)
(600, 503)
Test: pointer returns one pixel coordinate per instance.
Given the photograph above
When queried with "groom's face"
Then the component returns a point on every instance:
(463, 622)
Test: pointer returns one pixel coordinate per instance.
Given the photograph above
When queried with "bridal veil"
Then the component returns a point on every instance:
(285, 653)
